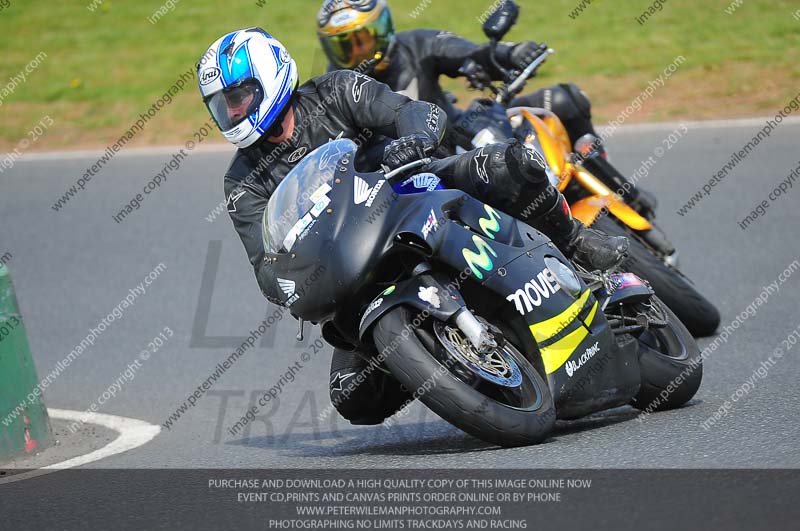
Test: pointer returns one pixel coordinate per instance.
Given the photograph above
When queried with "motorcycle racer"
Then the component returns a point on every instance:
(251, 90)
(359, 34)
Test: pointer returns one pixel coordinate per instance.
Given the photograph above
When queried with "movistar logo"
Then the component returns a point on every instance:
(480, 261)
(491, 225)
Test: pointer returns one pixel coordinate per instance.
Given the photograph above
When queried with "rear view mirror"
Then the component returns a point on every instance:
(501, 20)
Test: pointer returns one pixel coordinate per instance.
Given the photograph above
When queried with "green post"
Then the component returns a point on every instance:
(24, 424)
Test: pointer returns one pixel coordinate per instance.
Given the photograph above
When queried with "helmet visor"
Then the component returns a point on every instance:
(351, 48)
(233, 105)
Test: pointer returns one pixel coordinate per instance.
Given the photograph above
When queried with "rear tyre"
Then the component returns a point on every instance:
(671, 365)
(695, 311)
(503, 415)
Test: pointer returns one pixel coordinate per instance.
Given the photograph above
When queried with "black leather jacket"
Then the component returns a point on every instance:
(419, 57)
(335, 105)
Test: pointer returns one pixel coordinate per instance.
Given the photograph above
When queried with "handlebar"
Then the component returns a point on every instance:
(471, 70)
(410, 166)
(523, 77)
(511, 88)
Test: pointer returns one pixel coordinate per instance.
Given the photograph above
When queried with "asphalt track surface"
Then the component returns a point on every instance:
(71, 268)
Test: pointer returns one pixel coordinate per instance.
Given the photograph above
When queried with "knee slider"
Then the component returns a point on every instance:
(525, 165)
(535, 193)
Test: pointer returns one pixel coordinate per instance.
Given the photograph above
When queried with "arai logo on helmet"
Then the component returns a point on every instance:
(343, 17)
(285, 57)
(209, 75)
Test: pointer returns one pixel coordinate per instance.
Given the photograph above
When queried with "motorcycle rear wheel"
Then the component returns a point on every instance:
(671, 365)
(699, 315)
(477, 407)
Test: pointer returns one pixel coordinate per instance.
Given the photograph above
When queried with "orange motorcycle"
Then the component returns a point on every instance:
(581, 175)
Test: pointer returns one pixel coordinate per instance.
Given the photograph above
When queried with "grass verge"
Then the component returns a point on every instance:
(106, 62)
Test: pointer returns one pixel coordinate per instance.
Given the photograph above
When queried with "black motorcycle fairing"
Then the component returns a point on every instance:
(608, 380)
(307, 229)
(503, 256)
(565, 327)
(432, 293)
(351, 248)
(353, 229)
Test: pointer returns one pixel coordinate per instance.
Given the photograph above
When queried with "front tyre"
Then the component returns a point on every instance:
(489, 406)
(671, 364)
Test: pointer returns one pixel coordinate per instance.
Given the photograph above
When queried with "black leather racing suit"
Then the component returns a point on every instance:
(419, 57)
(349, 105)
(335, 105)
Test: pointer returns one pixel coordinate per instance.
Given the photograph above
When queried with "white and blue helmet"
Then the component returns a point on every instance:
(247, 79)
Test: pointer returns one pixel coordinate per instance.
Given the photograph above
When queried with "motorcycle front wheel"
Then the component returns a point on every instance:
(499, 398)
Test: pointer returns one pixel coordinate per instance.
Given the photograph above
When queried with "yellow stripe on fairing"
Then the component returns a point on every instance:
(557, 354)
(547, 329)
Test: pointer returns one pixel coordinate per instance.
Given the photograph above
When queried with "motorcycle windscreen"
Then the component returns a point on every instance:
(303, 195)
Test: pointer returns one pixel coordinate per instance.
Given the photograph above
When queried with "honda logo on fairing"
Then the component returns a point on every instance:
(534, 292)
(289, 287)
(363, 193)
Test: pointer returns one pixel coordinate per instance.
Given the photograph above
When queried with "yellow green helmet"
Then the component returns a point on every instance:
(355, 33)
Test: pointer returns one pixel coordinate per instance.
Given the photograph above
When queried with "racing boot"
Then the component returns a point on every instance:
(593, 249)
(535, 195)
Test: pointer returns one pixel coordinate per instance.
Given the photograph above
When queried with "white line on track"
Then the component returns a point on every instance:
(133, 433)
(218, 147)
(707, 124)
(88, 154)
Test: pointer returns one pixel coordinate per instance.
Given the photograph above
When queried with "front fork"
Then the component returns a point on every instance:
(477, 333)
(432, 293)
(474, 330)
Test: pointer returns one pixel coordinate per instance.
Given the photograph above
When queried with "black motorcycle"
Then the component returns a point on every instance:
(476, 313)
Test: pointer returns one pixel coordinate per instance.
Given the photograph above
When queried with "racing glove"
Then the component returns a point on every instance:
(523, 54)
(407, 149)
(477, 76)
